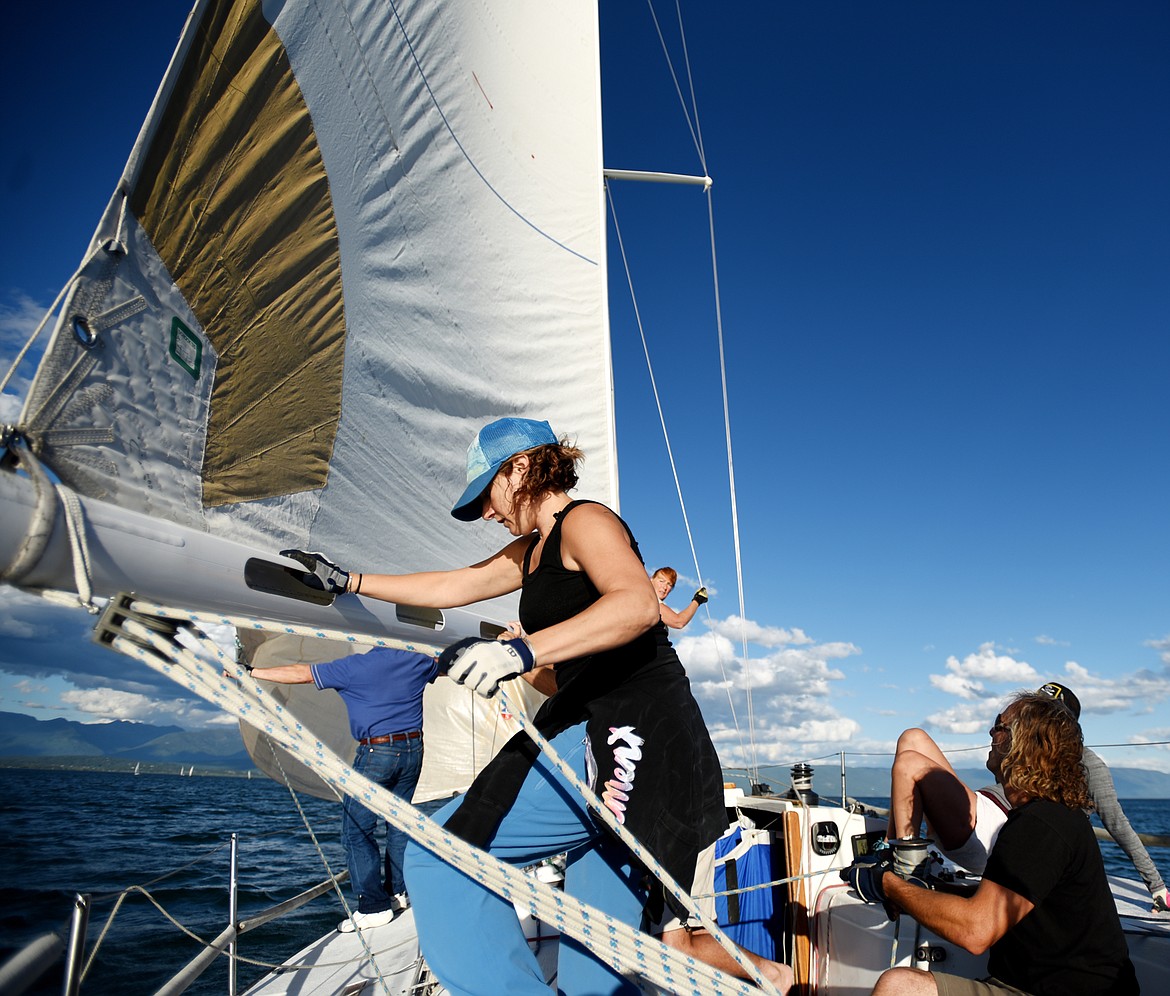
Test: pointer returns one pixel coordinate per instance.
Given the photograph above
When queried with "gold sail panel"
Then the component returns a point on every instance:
(235, 198)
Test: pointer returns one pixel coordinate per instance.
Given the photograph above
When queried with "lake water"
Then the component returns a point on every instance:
(66, 832)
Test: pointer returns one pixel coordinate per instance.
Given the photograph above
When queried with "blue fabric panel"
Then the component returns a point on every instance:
(751, 919)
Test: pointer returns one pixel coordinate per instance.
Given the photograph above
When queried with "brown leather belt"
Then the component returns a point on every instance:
(390, 738)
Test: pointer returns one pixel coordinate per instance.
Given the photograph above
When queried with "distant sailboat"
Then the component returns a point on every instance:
(137, 765)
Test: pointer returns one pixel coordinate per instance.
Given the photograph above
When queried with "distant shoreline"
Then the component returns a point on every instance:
(863, 783)
(119, 765)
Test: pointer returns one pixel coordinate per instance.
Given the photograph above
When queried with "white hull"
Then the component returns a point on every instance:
(838, 945)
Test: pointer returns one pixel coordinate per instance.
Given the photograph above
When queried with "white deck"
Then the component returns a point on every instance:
(338, 964)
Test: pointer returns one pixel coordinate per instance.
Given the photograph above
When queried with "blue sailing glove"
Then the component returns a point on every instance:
(323, 573)
(482, 664)
(865, 877)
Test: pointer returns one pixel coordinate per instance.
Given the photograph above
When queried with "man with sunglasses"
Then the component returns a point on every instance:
(1043, 909)
(965, 824)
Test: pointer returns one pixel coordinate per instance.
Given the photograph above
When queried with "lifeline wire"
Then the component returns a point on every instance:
(697, 136)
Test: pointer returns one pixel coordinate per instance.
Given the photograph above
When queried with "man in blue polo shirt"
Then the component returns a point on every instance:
(382, 691)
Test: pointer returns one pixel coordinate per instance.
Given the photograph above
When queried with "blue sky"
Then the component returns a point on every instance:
(943, 238)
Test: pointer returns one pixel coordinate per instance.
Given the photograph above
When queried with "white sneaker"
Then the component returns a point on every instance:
(400, 902)
(365, 920)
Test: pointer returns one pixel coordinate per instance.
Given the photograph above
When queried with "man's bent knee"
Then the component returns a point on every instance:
(905, 982)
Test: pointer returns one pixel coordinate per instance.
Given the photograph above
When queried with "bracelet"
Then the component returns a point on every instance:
(357, 590)
(249, 668)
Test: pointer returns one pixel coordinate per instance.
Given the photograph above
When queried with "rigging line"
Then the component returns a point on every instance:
(272, 966)
(601, 810)
(677, 88)
(626, 948)
(696, 136)
(747, 672)
(41, 325)
(103, 896)
(156, 649)
(691, 84)
(670, 453)
(321, 854)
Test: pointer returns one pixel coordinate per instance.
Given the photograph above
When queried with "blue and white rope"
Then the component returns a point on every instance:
(622, 947)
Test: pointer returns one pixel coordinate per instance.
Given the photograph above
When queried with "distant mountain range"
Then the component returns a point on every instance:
(24, 740)
(28, 738)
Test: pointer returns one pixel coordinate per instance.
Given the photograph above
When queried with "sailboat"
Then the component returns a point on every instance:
(343, 241)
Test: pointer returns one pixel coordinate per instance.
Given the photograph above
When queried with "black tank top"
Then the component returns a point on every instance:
(552, 593)
(635, 699)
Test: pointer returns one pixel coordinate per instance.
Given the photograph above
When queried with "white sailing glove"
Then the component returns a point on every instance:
(482, 664)
(323, 573)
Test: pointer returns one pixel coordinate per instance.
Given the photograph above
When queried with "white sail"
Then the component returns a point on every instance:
(347, 237)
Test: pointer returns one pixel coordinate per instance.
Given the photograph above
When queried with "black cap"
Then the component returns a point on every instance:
(1064, 695)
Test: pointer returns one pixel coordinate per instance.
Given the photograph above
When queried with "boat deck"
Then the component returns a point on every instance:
(338, 964)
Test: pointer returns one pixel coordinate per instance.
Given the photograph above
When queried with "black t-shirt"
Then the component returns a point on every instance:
(1071, 943)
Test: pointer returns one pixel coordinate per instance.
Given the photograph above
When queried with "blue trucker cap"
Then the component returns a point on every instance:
(491, 448)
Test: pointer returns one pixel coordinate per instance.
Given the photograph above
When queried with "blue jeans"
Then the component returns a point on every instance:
(394, 766)
(472, 939)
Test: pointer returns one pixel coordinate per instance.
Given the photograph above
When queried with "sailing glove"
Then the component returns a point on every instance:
(700, 596)
(1162, 901)
(865, 876)
(323, 573)
(482, 664)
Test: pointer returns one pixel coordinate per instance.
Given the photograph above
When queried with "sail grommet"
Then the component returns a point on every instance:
(83, 332)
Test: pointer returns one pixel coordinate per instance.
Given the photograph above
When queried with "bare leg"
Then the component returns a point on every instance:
(701, 946)
(906, 982)
(923, 782)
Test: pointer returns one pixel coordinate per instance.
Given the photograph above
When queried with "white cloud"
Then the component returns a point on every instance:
(1162, 646)
(19, 629)
(985, 679)
(1048, 641)
(737, 629)
(791, 680)
(109, 704)
(1137, 692)
(19, 317)
(964, 720)
(967, 678)
(43, 640)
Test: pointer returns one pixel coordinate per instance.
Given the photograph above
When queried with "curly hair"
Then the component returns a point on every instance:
(1044, 759)
(551, 467)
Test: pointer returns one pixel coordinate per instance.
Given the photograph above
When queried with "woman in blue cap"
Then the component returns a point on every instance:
(622, 707)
